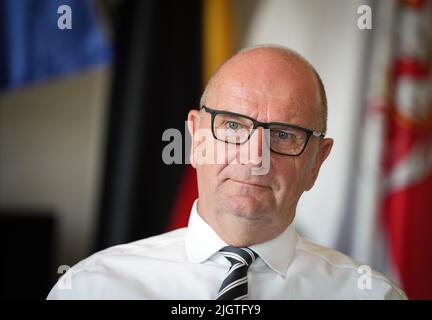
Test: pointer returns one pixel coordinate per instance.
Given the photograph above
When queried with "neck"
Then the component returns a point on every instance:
(242, 231)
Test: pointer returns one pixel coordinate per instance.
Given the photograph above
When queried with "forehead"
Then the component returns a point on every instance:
(269, 90)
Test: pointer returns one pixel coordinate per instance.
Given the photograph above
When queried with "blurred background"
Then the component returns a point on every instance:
(88, 87)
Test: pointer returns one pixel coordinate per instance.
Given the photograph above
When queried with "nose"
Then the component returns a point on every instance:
(254, 147)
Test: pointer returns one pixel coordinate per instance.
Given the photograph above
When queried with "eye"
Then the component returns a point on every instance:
(285, 135)
(233, 125)
(282, 135)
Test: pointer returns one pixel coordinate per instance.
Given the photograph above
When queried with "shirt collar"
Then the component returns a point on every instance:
(202, 242)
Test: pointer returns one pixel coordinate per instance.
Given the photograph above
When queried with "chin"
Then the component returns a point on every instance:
(245, 206)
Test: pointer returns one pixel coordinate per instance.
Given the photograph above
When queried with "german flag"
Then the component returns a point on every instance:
(218, 45)
(165, 51)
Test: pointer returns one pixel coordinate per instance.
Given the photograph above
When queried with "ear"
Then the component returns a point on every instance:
(193, 125)
(325, 147)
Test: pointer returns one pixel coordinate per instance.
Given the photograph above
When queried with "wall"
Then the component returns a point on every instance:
(325, 33)
(51, 138)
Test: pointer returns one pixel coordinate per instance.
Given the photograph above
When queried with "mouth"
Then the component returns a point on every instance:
(251, 184)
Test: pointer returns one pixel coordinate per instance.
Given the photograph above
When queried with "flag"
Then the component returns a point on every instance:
(33, 47)
(218, 45)
(157, 79)
(407, 165)
(389, 219)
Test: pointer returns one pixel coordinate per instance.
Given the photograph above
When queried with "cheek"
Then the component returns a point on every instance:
(291, 176)
(208, 150)
(208, 176)
(211, 158)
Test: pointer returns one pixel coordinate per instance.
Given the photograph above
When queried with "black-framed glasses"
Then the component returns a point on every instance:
(235, 128)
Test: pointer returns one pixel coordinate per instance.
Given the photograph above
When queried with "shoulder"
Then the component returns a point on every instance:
(356, 279)
(117, 263)
(149, 246)
(168, 245)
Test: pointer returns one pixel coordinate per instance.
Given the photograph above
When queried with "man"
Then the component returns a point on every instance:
(240, 242)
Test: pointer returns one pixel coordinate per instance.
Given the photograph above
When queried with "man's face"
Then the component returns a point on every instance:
(266, 88)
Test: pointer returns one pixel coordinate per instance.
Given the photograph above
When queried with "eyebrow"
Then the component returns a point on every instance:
(226, 110)
(314, 132)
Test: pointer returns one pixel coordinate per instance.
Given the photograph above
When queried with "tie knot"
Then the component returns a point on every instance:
(235, 255)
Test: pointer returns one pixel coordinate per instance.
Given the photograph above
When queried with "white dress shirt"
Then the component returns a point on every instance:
(186, 264)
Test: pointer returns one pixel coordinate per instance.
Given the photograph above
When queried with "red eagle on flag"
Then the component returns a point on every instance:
(407, 158)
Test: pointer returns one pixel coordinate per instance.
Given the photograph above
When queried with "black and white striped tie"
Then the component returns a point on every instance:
(235, 285)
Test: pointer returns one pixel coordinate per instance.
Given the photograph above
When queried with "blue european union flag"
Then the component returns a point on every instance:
(33, 47)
